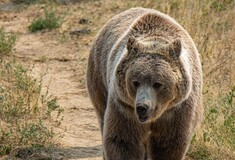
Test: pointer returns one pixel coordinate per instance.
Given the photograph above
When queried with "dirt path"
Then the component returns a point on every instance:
(64, 76)
(64, 64)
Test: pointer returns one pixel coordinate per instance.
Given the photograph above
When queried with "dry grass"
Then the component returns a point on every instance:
(25, 113)
(7, 42)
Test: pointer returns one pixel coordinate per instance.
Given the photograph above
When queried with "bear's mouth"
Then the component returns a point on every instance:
(143, 118)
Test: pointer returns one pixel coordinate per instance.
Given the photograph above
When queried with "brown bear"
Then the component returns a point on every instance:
(144, 79)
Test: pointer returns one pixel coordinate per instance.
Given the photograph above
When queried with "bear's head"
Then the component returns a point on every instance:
(152, 77)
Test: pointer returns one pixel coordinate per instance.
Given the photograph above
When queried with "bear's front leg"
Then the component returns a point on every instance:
(162, 150)
(170, 140)
(123, 136)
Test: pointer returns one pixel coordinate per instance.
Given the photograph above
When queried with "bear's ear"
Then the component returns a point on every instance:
(175, 48)
(132, 44)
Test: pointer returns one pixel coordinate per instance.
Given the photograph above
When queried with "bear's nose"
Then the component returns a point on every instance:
(141, 109)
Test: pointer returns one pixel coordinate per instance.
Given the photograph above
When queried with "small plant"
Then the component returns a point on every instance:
(50, 21)
(7, 42)
(25, 114)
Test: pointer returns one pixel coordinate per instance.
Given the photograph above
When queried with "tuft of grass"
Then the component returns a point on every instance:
(26, 116)
(7, 42)
(201, 153)
(49, 21)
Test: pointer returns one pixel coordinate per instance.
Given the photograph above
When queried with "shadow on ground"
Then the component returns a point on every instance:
(79, 152)
(57, 153)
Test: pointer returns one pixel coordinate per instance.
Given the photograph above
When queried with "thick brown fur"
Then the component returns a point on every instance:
(144, 79)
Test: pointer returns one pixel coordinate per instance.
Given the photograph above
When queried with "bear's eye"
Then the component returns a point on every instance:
(157, 85)
(136, 84)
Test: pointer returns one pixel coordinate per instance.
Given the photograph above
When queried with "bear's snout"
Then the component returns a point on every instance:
(145, 102)
(142, 112)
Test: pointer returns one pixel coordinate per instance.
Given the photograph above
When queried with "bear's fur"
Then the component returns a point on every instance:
(144, 79)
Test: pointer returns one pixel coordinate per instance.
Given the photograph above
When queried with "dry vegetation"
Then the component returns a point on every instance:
(209, 22)
(24, 113)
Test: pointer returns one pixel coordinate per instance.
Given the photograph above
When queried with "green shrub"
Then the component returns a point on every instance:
(25, 114)
(7, 42)
(50, 21)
